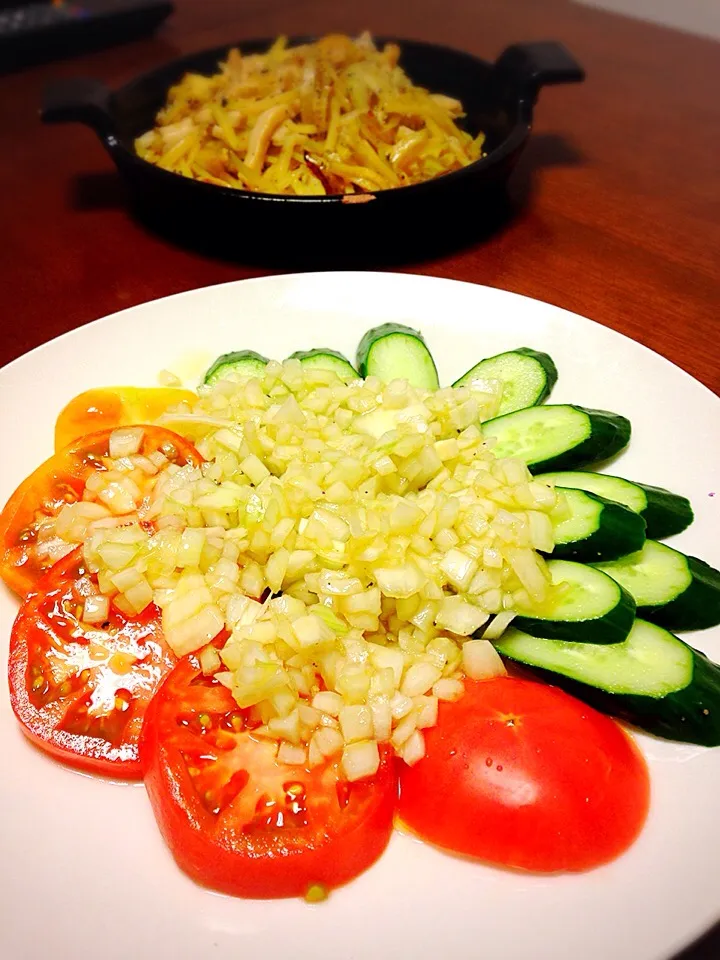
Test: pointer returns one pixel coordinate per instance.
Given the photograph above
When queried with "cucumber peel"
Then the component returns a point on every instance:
(392, 351)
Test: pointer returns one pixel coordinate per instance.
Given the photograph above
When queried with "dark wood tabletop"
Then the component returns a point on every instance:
(618, 191)
(617, 194)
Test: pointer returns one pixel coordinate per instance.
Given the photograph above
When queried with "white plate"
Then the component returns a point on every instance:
(85, 872)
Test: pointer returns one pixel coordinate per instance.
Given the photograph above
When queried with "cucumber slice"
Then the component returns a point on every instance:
(652, 679)
(583, 607)
(665, 513)
(559, 436)
(527, 377)
(326, 359)
(670, 588)
(597, 529)
(392, 351)
(650, 661)
(232, 366)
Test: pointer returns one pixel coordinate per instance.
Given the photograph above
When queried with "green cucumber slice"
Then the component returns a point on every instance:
(669, 588)
(665, 513)
(650, 661)
(597, 529)
(394, 351)
(559, 436)
(653, 680)
(585, 608)
(323, 358)
(232, 366)
(527, 377)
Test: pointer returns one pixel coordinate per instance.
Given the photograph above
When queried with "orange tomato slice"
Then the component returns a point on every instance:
(110, 407)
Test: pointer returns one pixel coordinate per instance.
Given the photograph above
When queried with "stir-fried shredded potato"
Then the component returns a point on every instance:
(337, 116)
(347, 540)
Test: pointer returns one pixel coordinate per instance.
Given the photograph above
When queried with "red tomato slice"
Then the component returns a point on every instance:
(523, 775)
(110, 407)
(80, 692)
(61, 480)
(239, 821)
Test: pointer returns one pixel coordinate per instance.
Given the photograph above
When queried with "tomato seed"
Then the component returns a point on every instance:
(123, 699)
(316, 893)
(343, 790)
(294, 790)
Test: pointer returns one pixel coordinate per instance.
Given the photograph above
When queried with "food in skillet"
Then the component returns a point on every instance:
(337, 116)
(259, 601)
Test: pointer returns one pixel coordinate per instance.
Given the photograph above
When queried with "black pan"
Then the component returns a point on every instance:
(498, 98)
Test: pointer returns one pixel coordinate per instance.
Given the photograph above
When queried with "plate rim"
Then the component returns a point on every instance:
(410, 278)
(314, 274)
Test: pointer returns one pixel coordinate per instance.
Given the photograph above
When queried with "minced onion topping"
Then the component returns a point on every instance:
(351, 538)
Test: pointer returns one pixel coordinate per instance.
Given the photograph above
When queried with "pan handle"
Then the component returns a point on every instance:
(78, 100)
(529, 66)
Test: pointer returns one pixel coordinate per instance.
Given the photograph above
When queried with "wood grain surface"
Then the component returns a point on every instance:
(617, 196)
(618, 192)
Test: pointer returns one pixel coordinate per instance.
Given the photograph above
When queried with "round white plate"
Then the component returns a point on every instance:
(85, 871)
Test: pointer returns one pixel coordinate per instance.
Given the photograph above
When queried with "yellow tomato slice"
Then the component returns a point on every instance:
(110, 407)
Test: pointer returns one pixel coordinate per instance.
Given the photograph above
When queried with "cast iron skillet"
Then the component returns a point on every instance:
(498, 98)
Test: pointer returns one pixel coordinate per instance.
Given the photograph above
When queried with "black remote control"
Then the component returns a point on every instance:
(32, 33)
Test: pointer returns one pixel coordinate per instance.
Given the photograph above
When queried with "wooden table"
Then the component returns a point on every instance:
(620, 186)
(620, 183)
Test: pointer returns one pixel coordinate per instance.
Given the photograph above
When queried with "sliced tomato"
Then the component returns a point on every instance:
(523, 775)
(110, 407)
(61, 480)
(80, 692)
(239, 821)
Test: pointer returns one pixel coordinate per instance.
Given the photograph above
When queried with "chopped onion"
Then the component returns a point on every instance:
(481, 661)
(125, 441)
(356, 723)
(210, 661)
(96, 609)
(427, 711)
(404, 729)
(361, 759)
(414, 748)
(382, 719)
(459, 568)
(328, 702)
(448, 689)
(420, 678)
(498, 625)
(401, 581)
(346, 537)
(460, 617)
(194, 632)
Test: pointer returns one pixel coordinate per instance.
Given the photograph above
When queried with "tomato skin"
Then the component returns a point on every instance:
(46, 629)
(61, 479)
(522, 775)
(225, 853)
(106, 408)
